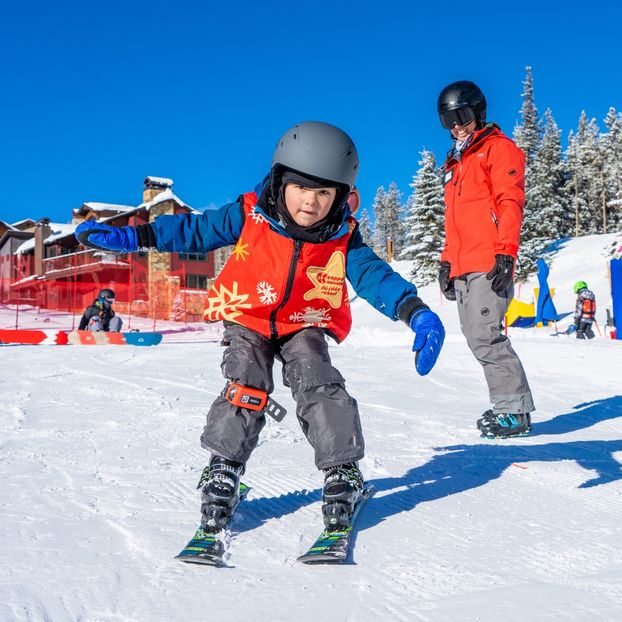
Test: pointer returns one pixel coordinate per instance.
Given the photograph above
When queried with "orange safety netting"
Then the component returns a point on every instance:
(70, 283)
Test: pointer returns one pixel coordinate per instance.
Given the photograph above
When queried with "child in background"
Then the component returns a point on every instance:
(585, 310)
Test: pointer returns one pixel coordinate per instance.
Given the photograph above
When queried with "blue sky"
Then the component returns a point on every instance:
(95, 96)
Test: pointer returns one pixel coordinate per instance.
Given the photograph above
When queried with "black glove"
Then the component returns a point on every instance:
(447, 284)
(502, 273)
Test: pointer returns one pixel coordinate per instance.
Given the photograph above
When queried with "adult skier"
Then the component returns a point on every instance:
(280, 294)
(483, 177)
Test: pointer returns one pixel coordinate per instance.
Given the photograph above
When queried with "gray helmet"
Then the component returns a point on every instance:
(320, 150)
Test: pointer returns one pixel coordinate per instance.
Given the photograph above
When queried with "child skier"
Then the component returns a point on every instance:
(280, 294)
(585, 310)
(100, 315)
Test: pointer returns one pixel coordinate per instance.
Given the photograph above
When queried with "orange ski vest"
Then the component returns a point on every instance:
(588, 309)
(276, 286)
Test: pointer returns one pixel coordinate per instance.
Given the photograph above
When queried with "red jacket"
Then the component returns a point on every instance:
(484, 199)
(276, 286)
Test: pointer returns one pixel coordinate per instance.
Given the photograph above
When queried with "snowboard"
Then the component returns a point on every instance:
(99, 338)
(331, 547)
(33, 337)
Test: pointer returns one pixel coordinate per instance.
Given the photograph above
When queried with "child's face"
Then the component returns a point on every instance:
(307, 206)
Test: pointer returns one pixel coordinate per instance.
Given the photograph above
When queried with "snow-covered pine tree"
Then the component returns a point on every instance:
(548, 187)
(585, 164)
(425, 221)
(611, 148)
(389, 224)
(528, 136)
(365, 226)
(528, 133)
(378, 241)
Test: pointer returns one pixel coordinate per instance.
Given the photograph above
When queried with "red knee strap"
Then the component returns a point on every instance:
(245, 397)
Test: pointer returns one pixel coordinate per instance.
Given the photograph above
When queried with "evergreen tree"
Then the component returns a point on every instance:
(378, 241)
(548, 187)
(528, 134)
(585, 165)
(611, 147)
(389, 225)
(425, 221)
(365, 226)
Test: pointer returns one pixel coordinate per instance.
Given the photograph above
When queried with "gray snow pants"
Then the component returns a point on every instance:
(481, 314)
(327, 414)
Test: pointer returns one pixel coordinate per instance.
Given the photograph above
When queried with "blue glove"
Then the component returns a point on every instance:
(106, 238)
(429, 337)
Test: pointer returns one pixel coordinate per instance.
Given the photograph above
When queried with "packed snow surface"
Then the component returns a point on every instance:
(100, 457)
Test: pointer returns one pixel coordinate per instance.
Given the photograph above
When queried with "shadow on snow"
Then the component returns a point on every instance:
(458, 468)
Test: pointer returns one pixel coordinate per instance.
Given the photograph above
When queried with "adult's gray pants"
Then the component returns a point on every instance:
(481, 314)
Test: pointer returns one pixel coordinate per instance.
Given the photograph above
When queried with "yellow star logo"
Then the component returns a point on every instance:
(329, 280)
(240, 250)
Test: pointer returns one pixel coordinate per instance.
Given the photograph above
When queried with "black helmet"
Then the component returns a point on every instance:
(320, 150)
(461, 102)
(106, 295)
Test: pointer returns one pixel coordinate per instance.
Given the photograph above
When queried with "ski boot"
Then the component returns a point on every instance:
(343, 486)
(220, 492)
(504, 425)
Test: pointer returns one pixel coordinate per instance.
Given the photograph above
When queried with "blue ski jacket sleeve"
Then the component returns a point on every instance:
(199, 233)
(372, 278)
(375, 281)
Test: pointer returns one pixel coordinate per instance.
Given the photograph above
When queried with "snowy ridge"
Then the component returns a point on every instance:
(100, 456)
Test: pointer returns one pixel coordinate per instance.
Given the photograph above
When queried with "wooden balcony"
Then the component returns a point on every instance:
(83, 262)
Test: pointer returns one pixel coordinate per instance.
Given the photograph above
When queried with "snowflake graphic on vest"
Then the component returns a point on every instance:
(225, 304)
(240, 250)
(256, 216)
(329, 280)
(267, 294)
(311, 317)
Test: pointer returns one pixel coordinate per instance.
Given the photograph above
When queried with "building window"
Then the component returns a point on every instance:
(196, 281)
(193, 257)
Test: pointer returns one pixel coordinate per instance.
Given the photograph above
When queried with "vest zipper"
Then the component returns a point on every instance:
(288, 288)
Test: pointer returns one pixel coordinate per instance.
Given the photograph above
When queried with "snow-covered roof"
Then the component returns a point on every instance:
(21, 222)
(158, 181)
(59, 230)
(165, 195)
(8, 226)
(107, 207)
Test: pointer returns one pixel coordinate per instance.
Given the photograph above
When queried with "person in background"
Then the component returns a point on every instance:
(280, 295)
(484, 182)
(100, 316)
(585, 310)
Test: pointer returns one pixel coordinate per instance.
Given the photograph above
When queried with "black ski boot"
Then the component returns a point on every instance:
(504, 425)
(220, 492)
(343, 486)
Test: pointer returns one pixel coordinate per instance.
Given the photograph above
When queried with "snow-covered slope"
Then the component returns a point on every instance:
(100, 456)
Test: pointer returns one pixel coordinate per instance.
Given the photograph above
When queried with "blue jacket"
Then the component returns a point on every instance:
(372, 278)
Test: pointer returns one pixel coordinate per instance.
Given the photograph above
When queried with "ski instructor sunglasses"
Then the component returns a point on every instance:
(459, 116)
